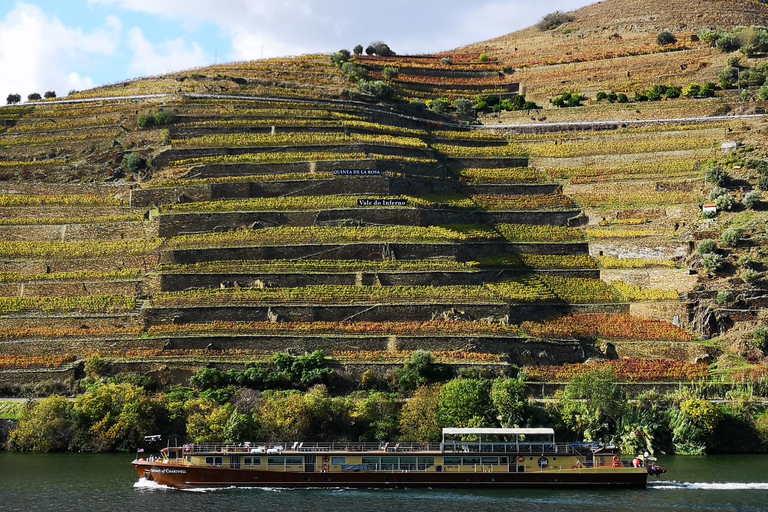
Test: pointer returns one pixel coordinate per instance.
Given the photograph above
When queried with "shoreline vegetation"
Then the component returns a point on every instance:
(303, 397)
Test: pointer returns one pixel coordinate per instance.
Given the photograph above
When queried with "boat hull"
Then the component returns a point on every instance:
(184, 476)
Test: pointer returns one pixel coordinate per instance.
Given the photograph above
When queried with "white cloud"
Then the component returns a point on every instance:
(288, 27)
(173, 55)
(38, 53)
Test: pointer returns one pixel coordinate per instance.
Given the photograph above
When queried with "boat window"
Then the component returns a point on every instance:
(252, 461)
(214, 461)
(275, 461)
(503, 460)
(490, 460)
(294, 461)
(470, 461)
(371, 462)
(389, 463)
(426, 462)
(452, 461)
(408, 463)
(338, 461)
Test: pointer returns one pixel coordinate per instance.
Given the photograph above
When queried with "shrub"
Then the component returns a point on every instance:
(49, 95)
(749, 276)
(665, 37)
(725, 202)
(727, 43)
(717, 192)
(673, 92)
(446, 61)
(730, 237)
(602, 95)
(353, 71)
(145, 120)
(440, 105)
(12, 99)
(164, 117)
(760, 337)
(706, 247)
(554, 20)
(133, 162)
(746, 261)
(746, 96)
(762, 93)
(715, 175)
(464, 106)
(643, 97)
(358, 50)
(340, 57)
(390, 72)
(751, 199)
(712, 262)
(762, 183)
(370, 50)
(749, 50)
(622, 98)
(726, 298)
(376, 88)
(34, 96)
(568, 99)
(692, 91)
(484, 57)
(708, 90)
(709, 36)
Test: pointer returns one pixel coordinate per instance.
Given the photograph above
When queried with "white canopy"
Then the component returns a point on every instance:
(498, 431)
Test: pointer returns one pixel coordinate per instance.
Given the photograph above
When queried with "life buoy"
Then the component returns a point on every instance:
(521, 459)
(616, 461)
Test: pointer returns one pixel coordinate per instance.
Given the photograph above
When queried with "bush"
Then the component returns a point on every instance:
(34, 96)
(749, 276)
(390, 72)
(692, 91)
(340, 57)
(643, 97)
(665, 37)
(440, 105)
(762, 182)
(706, 247)
(712, 262)
(760, 337)
(464, 106)
(602, 95)
(726, 298)
(746, 96)
(446, 61)
(554, 20)
(164, 117)
(725, 202)
(708, 90)
(353, 71)
(145, 120)
(717, 192)
(762, 93)
(746, 261)
(484, 57)
(568, 99)
(621, 98)
(715, 175)
(673, 92)
(376, 88)
(731, 237)
(727, 43)
(751, 199)
(12, 99)
(133, 162)
(358, 50)
(49, 95)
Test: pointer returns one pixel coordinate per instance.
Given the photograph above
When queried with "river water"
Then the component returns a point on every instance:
(107, 483)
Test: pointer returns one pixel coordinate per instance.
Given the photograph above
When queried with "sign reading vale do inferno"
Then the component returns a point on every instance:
(382, 202)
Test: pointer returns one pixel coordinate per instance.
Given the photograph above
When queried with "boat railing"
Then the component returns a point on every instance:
(276, 448)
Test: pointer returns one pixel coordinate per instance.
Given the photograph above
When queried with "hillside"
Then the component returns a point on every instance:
(218, 216)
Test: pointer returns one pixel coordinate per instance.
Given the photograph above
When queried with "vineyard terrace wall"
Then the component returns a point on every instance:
(176, 224)
(180, 282)
(371, 251)
(513, 313)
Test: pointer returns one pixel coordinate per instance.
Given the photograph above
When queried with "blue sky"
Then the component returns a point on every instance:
(63, 45)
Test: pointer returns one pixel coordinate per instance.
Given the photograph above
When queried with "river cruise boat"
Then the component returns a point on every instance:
(466, 457)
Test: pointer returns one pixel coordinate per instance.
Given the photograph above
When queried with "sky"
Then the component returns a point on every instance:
(65, 45)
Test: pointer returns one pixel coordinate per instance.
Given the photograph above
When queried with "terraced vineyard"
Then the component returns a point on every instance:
(264, 207)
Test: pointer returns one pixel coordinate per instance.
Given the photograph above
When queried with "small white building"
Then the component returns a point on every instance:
(709, 208)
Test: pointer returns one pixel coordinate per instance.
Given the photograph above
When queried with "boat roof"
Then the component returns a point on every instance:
(498, 431)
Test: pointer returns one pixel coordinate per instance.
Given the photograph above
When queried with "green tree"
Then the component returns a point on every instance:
(207, 420)
(464, 403)
(592, 404)
(712, 262)
(419, 419)
(464, 106)
(390, 72)
(665, 38)
(730, 237)
(12, 99)
(133, 162)
(358, 49)
(693, 426)
(715, 175)
(508, 397)
(45, 426)
(34, 96)
(376, 416)
(117, 416)
(353, 71)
